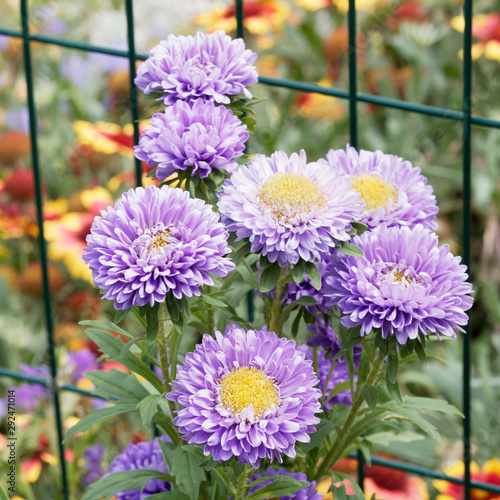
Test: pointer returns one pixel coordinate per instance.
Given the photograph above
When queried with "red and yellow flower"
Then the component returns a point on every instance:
(486, 27)
(488, 473)
(319, 106)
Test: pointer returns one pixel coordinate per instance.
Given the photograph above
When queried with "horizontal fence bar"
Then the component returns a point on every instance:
(284, 83)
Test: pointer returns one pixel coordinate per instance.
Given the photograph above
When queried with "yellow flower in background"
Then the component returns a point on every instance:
(486, 27)
(342, 5)
(261, 17)
(312, 5)
(488, 473)
(319, 106)
(107, 138)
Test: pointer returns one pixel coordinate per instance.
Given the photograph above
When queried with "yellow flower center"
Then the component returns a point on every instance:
(398, 276)
(288, 195)
(374, 191)
(159, 241)
(246, 386)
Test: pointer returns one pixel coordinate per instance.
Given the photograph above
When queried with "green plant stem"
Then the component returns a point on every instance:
(161, 340)
(275, 313)
(242, 484)
(337, 448)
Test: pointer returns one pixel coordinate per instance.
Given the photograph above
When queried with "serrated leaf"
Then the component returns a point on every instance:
(350, 249)
(371, 396)
(148, 407)
(129, 480)
(125, 387)
(126, 347)
(269, 277)
(97, 416)
(278, 488)
(313, 274)
(186, 469)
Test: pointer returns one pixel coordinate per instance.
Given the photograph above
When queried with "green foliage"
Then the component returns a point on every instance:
(285, 486)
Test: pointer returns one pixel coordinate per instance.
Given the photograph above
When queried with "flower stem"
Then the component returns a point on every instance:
(161, 340)
(242, 483)
(337, 448)
(275, 313)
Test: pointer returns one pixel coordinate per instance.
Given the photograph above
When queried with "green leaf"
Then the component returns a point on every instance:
(340, 387)
(296, 322)
(323, 429)
(241, 252)
(218, 304)
(148, 406)
(432, 404)
(3, 493)
(169, 495)
(124, 386)
(264, 262)
(120, 315)
(384, 438)
(306, 301)
(112, 347)
(350, 249)
(187, 471)
(107, 327)
(393, 389)
(107, 486)
(298, 271)
(359, 227)
(392, 367)
(371, 396)
(97, 416)
(419, 349)
(313, 274)
(269, 277)
(278, 488)
(126, 347)
(358, 492)
(152, 323)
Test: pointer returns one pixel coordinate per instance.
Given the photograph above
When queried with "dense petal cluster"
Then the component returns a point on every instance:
(288, 208)
(307, 493)
(394, 191)
(208, 66)
(196, 136)
(144, 455)
(247, 394)
(404, 284)
(155, 241)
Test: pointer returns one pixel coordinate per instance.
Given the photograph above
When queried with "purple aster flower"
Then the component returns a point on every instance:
(392, 189)
(211, 66)
(340, 373)
(93, 456)
(247, 394)
(144, 455)
(404, 284)
(288, 208)
(198, 136)
(41, 371)
(307, 493)
(155, 241)
(79, 362)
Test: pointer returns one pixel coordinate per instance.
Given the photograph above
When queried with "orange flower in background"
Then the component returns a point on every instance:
(261, 17)
(66, 236)
(107, 138)
(31, 281)
(14, 145)
(486, 27)
(488, 473)
(319, 106)
(366, 5)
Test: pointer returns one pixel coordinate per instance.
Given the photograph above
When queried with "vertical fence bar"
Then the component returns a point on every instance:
(466, 214)
(41, 240)
(353, 134)
(134, 103)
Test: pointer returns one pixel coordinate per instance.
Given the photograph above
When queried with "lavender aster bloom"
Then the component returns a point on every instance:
(246, 394)
(93, 459)
(198, 136)
(156, 241)
(211, 66)
(307, 493)
(144, 455)
(393, 190)
(288, 208)
(404, 284)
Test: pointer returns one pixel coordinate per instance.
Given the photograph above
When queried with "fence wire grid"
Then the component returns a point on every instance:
(353, 96)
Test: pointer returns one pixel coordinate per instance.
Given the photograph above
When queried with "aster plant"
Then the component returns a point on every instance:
(348, 281)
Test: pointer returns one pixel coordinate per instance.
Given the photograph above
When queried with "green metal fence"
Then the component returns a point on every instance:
(353, 96)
